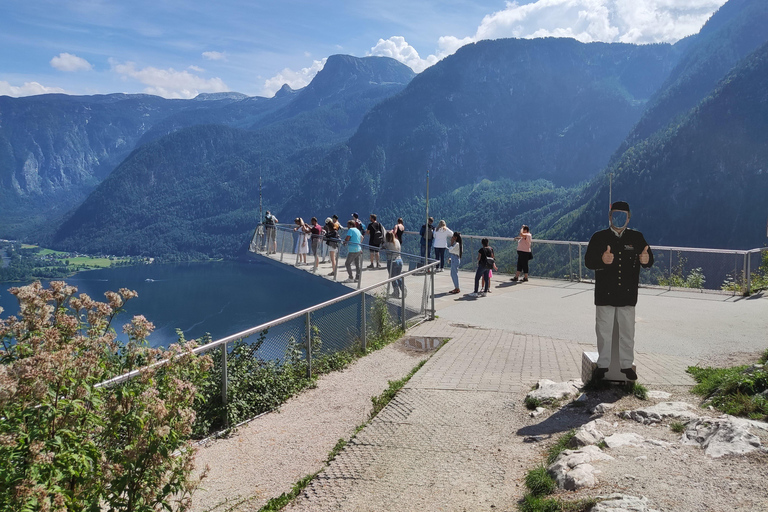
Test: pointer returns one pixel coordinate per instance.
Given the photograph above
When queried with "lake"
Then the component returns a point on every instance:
(220, 298)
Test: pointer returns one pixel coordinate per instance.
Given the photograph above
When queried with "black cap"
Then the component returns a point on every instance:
(335, 216)
(622, 206)
(355, 215)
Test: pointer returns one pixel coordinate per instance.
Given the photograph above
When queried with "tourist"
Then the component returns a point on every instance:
(332, 242)
(398, 230)
(485, 263)
(616, 255)
(394, 263)
(427, 233)
(442, 238)
(316, 232)
(270, 233)
(455, 251)
(355, 254)
(302, 241)
(358, 223)
(524, 253)
(375, 232)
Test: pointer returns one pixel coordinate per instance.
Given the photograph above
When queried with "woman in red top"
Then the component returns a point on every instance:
(524, 254)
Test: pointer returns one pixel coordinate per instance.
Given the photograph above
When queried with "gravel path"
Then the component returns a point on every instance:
(266, 457)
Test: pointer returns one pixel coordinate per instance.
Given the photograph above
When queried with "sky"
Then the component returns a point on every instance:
(178, 49)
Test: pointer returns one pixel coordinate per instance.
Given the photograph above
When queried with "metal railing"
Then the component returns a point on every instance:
(343, 323)
(685, 268)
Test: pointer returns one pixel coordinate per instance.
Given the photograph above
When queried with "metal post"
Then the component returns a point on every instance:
(581, 263)
(362, 322)
(670, 270)
(748, 271)
(282, 245)
(426, 227)
(570, 263)
(224, 383)
(309, 345)
(402, 304)
(432, 292)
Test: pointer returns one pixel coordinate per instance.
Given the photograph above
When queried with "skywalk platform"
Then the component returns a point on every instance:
(454, 438)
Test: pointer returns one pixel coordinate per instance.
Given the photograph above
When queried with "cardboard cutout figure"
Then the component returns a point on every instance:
(616, 255)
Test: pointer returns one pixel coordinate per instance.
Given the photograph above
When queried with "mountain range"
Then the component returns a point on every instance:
(510, 131)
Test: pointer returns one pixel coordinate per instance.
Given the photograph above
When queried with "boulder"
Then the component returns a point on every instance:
(602, 408)
(655, 413)
(573, 469)
(629, 438)
(622, 503)
(586, 436)
(549, 391)
(721, 436)
(659, 395)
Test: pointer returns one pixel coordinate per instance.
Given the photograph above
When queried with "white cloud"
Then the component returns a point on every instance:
(215, 55)
(629, 21)
(169, 83)
(294, 79)
(68, 62)
(28, 89)
(197, 69)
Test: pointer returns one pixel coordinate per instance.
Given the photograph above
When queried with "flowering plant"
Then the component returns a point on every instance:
(67, 443)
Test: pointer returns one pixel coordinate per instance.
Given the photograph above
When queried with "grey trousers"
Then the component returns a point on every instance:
(356, 258)
(607, 320)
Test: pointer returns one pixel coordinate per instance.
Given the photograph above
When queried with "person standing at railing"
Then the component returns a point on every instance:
(443, 237)
(616, 255)
(427, 233)
(394, 263)
(455, 250)
(316, 232)
(302, 241)
(486, 261)
(355, 252)
(524, 253)
(398, 230)
(375, 232)
(270, 233)
(332, 241)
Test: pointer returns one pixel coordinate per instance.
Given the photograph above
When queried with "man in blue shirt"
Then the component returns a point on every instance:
(355, 253)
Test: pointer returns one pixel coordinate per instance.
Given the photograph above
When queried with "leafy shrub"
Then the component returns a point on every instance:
(67, 443)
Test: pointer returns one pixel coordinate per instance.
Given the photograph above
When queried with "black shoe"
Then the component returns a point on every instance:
(514, 279)
(630, 373)
(525, 279)
(599, 373)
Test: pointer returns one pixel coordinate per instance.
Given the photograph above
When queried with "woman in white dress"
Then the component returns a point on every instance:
(302, 241)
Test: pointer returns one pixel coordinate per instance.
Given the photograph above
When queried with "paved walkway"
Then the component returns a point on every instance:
(453, 438)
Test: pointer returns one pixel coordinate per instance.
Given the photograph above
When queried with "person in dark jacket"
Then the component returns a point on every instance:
(616, 255)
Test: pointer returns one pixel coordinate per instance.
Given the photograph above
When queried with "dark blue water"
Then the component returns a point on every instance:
(220, 298)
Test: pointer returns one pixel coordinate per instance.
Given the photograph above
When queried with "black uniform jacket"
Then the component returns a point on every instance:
(616, 284)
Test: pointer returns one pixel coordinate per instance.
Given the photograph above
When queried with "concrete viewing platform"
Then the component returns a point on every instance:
(453, 438)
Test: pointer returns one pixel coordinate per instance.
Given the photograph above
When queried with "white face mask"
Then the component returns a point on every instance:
(619, 220)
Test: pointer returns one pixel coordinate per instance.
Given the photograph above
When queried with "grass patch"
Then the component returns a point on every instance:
(539, 482)
(532, 403)
(560, 446)
(602, 445)
(677, 426)
(764, 358)
(281, 501)
(531, 503)
(736, 391)
(638, 390)
(381, 401)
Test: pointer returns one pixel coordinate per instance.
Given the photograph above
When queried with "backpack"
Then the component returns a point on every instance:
(378, 232)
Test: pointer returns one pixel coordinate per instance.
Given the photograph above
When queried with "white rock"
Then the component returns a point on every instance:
(747, 422)
(659, 395)
(573, 469)
(622, 503)
(721, 436)
(586, 435)
(547, 390)
(602, 408)
(655, 413)
(625, 439)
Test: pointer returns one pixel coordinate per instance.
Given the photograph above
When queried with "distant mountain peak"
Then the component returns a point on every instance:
(285, 90)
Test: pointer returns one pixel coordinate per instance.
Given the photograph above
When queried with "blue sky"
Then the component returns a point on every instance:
(178, 49)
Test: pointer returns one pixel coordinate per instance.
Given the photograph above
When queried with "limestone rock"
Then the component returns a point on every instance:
(573, 469)
(721, 436)
(602, 408)
(655, 413)
(538, 411)
(629, 438)
(622, 503)
(659, 395)
(549, 391)
(586, 436)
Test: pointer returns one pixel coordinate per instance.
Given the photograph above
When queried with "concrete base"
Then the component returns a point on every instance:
(589, 364)
(422, 343)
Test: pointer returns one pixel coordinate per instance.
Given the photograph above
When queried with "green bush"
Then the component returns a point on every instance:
(539, 482)
(736, 391)
(67, 443)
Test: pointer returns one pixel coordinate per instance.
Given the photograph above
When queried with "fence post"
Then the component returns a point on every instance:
(432, 292)
(309, 345)
(570, 263)
(282, 246)
(224, 383)
(362, 322)
(402, 304)
(670, 270)
(581, 263)
(748, 272)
